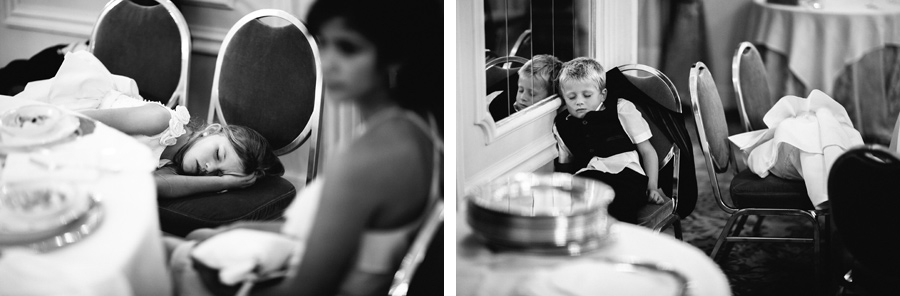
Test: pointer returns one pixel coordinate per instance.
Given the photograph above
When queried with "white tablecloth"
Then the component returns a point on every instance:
(480, 271)
(819, 44)
(124, 256)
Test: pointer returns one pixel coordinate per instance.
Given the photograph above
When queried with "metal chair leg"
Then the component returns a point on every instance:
(723, 236)
(736, 232)
(758, 225)
(676, 227)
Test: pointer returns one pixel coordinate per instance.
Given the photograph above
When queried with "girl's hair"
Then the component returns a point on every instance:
(545, 68)
(404, 32)
(582, 69)
(251, 147)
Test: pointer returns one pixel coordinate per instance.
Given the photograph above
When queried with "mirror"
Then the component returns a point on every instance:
(517, 30)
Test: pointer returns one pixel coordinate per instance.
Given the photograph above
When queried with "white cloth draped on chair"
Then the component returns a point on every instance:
(802, 141)
(82, 83)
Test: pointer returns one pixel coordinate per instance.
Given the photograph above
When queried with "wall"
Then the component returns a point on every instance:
(726, 28)
(29, 26)
(486, 151)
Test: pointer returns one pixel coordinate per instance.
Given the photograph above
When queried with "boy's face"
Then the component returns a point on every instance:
(530, 90)
(582, 96)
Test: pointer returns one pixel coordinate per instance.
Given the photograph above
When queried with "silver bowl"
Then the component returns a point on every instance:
(545, 213)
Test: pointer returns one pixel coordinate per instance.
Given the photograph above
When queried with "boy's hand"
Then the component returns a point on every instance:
(238, 181)
(656, 196)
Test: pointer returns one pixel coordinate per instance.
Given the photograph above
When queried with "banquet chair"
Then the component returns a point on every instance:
(862, 194)
(749, 194)
(148, 43)
(268, 78)
(660, 89)
(748, 74)
(522, 43)
(502, 74)
(424, 247)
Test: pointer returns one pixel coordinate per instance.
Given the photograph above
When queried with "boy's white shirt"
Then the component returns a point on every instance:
(635, 127)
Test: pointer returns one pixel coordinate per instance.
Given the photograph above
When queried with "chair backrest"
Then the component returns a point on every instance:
(420, 246)
(269, 78)
(660, 88)
(748, 73)
(503, 73)
(863, 195)
(895, 137)
(522, 44)
(709, 117)
(150, 44)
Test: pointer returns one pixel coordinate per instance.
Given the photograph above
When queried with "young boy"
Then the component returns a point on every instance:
(601, 139)
(537, 80)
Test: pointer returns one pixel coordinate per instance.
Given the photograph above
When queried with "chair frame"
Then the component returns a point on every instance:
(313, 126)
(743, 48)
(731, 230)
(507, 61)
(519, 42)
(674, 153)
(417, 250)
(179, 96)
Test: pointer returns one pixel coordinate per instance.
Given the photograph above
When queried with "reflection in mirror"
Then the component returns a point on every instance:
(518, 30)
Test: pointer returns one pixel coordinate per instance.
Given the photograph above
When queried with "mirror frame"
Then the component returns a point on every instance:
(524, 141)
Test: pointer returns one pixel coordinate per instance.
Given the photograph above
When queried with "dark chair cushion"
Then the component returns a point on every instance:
(265, 200)
(750, 191)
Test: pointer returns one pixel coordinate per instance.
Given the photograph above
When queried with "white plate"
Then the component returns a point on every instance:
(35, 125)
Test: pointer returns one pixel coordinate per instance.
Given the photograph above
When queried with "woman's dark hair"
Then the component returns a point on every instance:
(406, 32)
(251, 147)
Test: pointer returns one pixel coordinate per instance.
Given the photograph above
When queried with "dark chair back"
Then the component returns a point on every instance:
(148, 43)
(751, 87)
(502, 74)
(269, 77)
(863, 202)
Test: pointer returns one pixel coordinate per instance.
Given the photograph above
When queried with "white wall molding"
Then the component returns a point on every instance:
(528, 159)
(27, 15)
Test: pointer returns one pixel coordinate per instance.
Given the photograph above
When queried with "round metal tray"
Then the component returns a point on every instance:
(542, 213)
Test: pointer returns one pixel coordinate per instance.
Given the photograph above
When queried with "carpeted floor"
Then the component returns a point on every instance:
(751, 268)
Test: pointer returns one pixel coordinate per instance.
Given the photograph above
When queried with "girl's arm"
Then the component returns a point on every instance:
(170, 184)
(147, 120)
(651, 168)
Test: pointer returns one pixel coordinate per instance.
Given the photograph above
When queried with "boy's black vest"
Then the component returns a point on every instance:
(599, 133)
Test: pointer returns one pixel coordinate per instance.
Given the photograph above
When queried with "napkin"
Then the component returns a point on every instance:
(24, 272)
(82, 83)
(240, 253)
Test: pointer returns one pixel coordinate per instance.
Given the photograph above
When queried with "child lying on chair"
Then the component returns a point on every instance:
(193, 158)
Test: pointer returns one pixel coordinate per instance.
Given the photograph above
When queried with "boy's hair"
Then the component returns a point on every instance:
(545, 68)
(582, 69)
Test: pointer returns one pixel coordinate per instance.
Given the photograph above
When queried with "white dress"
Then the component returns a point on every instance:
(83, 83)
(803, 139)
